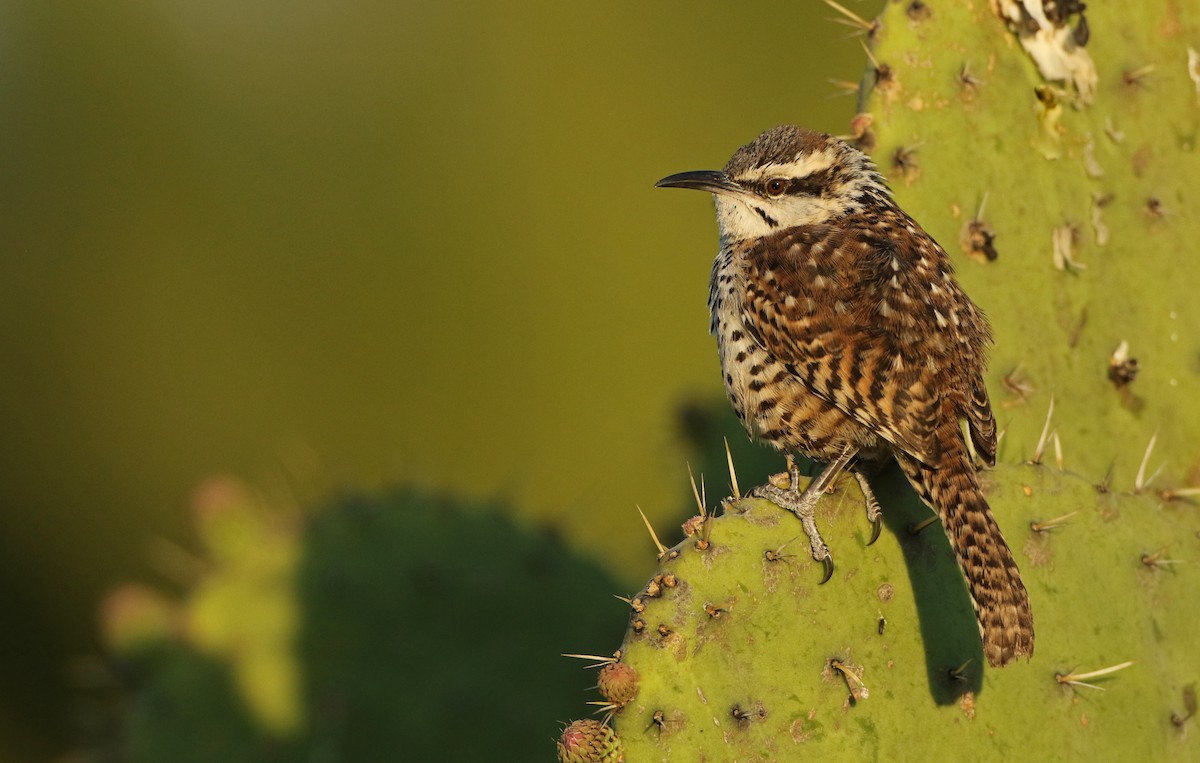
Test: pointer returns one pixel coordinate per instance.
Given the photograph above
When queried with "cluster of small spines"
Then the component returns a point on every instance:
(654, 589)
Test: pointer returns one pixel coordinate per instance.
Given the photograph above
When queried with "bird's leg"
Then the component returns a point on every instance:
(874, 511)
(793, 473)
(803, 505)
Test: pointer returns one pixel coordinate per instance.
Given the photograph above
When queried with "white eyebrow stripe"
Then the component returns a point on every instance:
(802, 167)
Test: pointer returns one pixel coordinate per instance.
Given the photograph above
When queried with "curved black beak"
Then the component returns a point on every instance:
(701, 180)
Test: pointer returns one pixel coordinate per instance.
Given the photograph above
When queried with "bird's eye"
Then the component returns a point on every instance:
(776, 186)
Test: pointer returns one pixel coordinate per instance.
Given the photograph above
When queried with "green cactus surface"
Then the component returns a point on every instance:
(963, 119)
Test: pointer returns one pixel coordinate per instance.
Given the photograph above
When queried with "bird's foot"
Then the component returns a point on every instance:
(803, 505)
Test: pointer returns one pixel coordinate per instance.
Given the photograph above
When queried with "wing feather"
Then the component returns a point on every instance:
(867, 315)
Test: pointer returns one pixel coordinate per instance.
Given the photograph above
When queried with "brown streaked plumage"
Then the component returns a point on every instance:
(844, 336)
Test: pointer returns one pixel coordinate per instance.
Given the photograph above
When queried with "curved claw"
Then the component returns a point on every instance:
(827, 563)
(876, 526)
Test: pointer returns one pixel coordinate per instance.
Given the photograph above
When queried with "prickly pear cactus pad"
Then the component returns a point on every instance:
(742, 655)
(1051, 148)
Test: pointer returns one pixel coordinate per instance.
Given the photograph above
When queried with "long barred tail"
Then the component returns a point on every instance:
(1001, 602)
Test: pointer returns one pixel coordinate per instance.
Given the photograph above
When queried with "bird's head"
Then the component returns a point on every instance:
(785, 178)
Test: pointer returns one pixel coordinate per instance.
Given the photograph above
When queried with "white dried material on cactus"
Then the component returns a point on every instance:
(1052, 46)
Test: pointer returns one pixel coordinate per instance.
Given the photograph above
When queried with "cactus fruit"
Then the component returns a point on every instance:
(589, 741)
(1056, 145)
(618, 684)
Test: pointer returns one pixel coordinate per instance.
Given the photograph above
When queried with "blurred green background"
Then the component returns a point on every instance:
(327, 245)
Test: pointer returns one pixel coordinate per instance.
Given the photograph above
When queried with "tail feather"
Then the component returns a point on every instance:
(1000, 599)
(982, 424)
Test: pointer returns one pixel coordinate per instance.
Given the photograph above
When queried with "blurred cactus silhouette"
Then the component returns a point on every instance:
(401, 626)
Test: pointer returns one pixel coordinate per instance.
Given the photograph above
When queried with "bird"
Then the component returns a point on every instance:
(844, 336)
